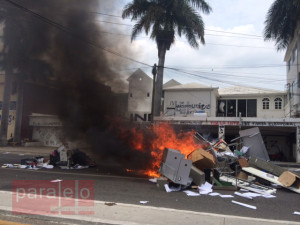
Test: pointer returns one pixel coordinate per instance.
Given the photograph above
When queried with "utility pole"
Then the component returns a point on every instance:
(154, 72)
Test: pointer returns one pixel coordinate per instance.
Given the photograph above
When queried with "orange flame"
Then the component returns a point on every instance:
(163, 136)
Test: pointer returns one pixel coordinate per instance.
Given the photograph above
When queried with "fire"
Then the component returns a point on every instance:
(160, 136)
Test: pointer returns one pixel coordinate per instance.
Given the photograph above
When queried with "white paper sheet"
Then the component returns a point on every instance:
(170, 189)
(243, 204)
(191, 193)
(226, 196)
(244, 195)
(244, 190)
(54, 181)
(269, 196)
(153, 180)
(252, 194)
(244, 149)
(214, 194)
(205, 188)
(144, 202)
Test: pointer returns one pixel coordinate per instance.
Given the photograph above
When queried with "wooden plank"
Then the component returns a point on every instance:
(269, 177)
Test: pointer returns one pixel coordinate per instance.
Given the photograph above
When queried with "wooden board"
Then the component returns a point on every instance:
(269, 177)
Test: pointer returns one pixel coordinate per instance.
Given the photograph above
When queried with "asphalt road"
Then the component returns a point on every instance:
(112, 184)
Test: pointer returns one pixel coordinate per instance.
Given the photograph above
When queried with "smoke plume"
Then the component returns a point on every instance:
(73, 47)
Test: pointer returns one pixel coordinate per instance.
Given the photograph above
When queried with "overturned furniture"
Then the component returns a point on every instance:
(175, 167)
(253, 141)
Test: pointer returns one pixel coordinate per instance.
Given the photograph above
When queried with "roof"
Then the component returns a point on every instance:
(242, 90)
(138, 74)
(189, 86)
(171, 83)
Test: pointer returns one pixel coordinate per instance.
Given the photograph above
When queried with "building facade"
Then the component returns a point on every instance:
(207, 109)
(293, 75)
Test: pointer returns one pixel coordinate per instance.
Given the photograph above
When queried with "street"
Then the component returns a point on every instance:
(121, 188)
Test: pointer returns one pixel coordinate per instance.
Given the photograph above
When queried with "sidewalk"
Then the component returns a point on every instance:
(36, 151)
(129, 214)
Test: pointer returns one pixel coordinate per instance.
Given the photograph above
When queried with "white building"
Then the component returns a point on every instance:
(190, 100)
(207, 109)
(293, 75)
(251, 102)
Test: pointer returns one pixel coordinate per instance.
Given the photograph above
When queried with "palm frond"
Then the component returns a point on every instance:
(281, 22)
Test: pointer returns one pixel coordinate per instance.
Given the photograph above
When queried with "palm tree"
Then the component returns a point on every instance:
(281, 22)
(164, 18)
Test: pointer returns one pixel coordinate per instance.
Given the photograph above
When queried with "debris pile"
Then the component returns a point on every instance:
(246, 171)
(61, 157)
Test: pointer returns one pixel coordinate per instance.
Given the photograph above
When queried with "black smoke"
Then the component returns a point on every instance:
(66, 39)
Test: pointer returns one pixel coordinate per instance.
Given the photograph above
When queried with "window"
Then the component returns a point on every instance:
(233, 107)
(251, 108)
(266, 103)
(148, 94)
(242, 107)
(278, 103)
(130, 95)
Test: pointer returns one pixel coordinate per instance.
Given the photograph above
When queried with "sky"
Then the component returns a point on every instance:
(234, 54)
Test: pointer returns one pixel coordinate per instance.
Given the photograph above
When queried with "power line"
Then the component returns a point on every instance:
(209, 78)
(115, 23)
(252, 35)
(69, 31)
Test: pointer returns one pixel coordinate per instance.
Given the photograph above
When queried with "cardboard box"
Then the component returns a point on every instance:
(202, 159)
(243, 176)
(289, 179)
(243, 162)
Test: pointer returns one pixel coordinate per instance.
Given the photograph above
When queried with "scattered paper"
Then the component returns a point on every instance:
(57, 180)
(153, 180)
(245, 190)
(170, 189)
(47, 166)
(243, 204)
(8, 166)
(252, 195)
(214, 194)
(244, 149)
(296, 213)
(229, 154)
(191, 193)
(205, 188)
(269, 196)
(144, 202)
(226, 196)
(244, 195)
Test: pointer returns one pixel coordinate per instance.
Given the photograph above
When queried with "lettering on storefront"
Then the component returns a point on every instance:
(188, 108)
(270, 124)
(223, 123)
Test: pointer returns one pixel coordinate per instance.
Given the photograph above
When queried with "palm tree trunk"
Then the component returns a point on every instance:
(159, 80)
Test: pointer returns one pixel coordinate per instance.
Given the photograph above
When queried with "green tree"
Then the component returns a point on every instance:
(165, 18)
(281, 22)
